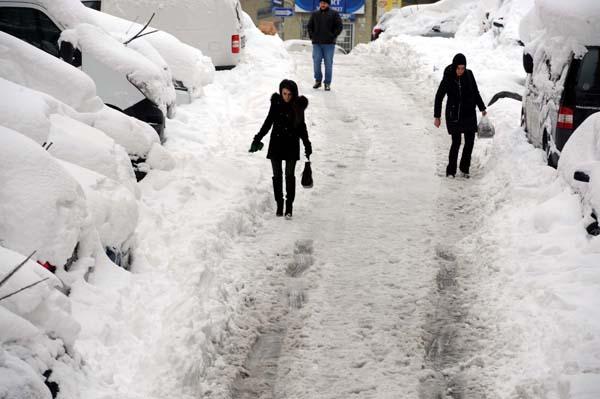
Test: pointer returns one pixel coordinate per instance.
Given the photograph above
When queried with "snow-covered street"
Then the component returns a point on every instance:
(390, 281)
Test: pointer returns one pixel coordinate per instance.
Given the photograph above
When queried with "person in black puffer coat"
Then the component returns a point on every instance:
(459, 85)
(286, 116)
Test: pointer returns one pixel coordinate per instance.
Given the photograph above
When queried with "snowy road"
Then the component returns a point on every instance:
(375, 270)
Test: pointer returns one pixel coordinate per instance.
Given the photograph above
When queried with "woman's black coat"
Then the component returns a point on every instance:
(463, 96)
(288, 124)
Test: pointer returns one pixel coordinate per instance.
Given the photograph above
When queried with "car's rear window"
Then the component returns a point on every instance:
(589, 73)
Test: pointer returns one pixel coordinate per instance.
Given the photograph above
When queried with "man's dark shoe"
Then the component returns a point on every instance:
(327, 87)
(317, 85)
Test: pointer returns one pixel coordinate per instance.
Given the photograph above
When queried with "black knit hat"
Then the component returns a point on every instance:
(459, 59)
(326, 1)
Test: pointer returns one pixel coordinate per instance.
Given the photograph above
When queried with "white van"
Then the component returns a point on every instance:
(124, 78)
(213, 26)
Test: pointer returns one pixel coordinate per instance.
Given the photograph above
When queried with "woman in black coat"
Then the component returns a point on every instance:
(286, 116)
(459, 85)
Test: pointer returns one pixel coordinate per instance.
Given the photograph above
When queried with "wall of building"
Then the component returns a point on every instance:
(358, 25)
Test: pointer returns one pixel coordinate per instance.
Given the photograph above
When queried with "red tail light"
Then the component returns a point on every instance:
(235, 44)
(48, 266)
(565, 118)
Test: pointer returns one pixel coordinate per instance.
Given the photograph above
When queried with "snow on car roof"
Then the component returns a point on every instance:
(25, 64)
(576, 20)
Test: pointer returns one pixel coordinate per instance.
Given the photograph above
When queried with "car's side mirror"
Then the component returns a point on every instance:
(528, 63)
(581, 176)
(70, 54)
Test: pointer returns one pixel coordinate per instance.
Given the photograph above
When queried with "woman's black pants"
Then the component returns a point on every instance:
(465, 159)
(290, 180)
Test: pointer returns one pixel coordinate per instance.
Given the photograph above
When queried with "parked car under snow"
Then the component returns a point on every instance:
(562, 61)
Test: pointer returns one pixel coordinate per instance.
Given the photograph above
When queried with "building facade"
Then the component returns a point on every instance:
(358, 17)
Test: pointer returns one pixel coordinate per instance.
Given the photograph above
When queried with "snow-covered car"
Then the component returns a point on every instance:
(43, 208)
(438, 19)
(212, 26)
(61, 200)
(562, 61)
(113, 209)
(580, 166)
(126, 79)
(28, 66)
(49, 122)
(37, 330)
(306, 46)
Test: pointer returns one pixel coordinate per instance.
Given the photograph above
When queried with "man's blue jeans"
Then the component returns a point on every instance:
(323, 52)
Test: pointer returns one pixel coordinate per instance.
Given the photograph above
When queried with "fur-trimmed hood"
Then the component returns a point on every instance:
(301, 102)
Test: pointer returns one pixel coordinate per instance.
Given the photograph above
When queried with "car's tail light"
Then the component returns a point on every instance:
(48, 266)
(565, 118)
(235, 44)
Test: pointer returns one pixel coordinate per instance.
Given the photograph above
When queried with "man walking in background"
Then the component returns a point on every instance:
(324, 26)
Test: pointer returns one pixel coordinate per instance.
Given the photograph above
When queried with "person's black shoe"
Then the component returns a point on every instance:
(327, 87)
(317, 85)
(465, 175)
(279, 211)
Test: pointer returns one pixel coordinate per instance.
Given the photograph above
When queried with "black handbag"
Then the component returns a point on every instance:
(307, 180)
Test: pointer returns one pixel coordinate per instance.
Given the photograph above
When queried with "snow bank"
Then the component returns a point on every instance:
(582, 153)
(37, 330)
(43, 208)
(42, 119)
(24, 64)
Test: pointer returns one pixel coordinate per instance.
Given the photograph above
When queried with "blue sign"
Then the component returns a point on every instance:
(282, 12)
(341, 6)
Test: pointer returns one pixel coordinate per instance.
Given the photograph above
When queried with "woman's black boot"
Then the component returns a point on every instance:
(290, 188)
(278, 192)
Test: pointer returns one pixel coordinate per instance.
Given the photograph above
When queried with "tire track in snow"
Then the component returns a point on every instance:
(259, 373)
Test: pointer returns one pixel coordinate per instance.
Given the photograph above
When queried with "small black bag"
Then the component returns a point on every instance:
(307, 180)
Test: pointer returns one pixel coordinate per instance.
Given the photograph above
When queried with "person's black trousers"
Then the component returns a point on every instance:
(290, 179)
(465, 160)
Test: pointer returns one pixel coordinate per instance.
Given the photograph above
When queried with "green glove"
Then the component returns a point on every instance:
(256, 146)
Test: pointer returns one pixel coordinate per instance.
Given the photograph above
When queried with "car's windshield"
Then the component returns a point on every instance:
(589, 75)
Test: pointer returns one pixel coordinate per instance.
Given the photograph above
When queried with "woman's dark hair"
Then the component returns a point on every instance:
(291, 86)
(298, 107)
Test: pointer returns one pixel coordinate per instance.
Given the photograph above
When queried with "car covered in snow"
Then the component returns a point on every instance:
(51, 205)
(580, 166)
(562, 61)
(212, 26)
(438, 19)
(70, 92)
(126, 79)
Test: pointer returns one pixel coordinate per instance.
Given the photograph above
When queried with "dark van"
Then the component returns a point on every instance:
(554, 105)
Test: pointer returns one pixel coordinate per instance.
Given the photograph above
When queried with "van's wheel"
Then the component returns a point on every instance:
(523, 120)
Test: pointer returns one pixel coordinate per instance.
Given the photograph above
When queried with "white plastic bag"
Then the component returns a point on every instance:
(485, 129)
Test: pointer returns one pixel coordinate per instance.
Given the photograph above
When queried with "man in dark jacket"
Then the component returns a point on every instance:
(324, 26)
(463, 95)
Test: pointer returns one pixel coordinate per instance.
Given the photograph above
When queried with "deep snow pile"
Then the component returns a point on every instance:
(37, 332)
(582, 153)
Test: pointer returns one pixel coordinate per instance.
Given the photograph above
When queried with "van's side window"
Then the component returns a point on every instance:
(32, 26)
(589, 75)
